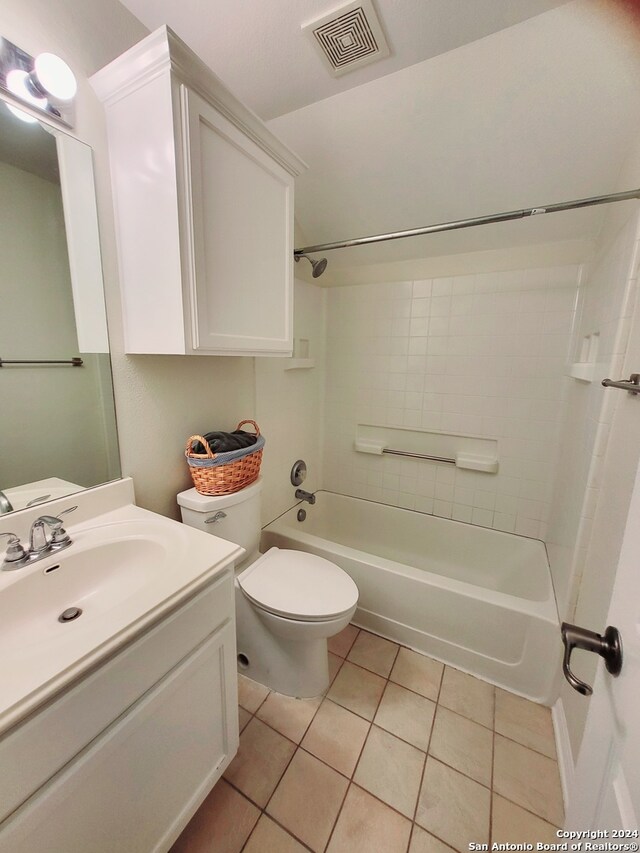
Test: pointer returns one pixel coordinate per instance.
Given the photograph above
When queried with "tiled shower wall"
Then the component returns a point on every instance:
(479, 355)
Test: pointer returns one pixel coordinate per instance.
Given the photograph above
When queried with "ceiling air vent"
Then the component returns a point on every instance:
(348, 37)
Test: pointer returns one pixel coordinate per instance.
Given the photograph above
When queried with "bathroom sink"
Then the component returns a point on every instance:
(124, 570)
(97, 580)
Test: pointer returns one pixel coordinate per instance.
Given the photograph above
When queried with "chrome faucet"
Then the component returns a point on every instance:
(5, 503)
(301, 495)
(39, 544)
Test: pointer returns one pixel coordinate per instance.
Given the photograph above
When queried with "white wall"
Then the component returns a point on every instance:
(53, 421)
(289, 407)
(479, 355)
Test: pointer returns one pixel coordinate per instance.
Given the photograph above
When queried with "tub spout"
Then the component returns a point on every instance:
(301, 495)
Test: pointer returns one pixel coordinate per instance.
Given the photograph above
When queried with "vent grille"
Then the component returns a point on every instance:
(349, 37)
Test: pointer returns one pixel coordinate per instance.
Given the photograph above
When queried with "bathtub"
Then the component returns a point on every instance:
(475, 598)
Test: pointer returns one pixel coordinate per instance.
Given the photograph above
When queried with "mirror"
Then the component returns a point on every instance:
(57, 417)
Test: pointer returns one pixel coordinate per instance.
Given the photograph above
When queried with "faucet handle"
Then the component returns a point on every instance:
(59, 534)
(15, 551)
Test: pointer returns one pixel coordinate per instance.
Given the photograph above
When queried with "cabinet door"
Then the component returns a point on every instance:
(240, 233)
(136, 787)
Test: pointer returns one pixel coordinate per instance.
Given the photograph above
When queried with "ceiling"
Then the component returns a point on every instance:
(483, 106)
(257, 48)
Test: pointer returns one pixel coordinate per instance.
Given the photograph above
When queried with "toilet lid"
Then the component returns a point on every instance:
(297, 585)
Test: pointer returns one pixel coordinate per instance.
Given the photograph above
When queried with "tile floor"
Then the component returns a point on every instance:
(402, 754)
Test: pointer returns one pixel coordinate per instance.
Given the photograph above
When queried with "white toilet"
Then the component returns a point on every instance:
(287, 602)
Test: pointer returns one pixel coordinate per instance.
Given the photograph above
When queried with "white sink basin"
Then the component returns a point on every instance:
(124, 570)
(96, 580)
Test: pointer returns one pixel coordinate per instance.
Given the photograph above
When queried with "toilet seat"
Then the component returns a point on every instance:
(297, 585)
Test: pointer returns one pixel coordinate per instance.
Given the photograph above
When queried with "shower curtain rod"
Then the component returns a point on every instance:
(470, 223)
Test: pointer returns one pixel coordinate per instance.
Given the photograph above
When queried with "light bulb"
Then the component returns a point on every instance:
(55, 77)
(17, 85)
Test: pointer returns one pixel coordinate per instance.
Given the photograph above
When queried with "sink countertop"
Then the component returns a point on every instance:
(162, 563)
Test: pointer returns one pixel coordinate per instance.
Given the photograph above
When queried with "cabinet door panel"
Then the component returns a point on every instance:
(240, 202)
(136, 787)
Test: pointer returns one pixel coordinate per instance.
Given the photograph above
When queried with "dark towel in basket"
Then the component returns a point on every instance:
(223, 442)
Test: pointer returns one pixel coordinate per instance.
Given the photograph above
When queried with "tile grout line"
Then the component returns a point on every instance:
(493, 763)
(424, 766)
(351, 782)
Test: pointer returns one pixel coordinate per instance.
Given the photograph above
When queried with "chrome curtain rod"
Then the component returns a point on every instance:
(471, 223)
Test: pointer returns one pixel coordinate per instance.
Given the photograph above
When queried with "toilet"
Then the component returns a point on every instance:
(288, 603)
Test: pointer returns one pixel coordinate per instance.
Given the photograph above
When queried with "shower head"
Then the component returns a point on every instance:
(318, 266)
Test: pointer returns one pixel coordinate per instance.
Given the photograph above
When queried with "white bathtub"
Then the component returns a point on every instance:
(478, 599)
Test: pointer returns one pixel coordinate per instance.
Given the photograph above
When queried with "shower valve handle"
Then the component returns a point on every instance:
(607, 645)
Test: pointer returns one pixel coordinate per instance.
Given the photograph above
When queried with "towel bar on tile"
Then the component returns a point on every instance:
(419, 456)
(74, 362)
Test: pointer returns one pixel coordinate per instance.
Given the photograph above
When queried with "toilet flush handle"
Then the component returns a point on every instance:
(217, 517)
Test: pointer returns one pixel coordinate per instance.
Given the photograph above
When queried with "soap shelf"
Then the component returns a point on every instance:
(582, 371)
(300, 364)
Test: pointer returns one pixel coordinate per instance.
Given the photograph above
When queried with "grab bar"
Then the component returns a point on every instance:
(419, 456)
(632, 384)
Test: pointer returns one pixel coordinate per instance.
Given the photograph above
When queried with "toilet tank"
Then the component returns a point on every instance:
(238, 515)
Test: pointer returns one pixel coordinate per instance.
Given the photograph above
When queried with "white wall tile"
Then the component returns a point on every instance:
(481, 355)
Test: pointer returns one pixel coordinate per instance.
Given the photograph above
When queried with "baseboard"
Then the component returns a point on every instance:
(566, 765)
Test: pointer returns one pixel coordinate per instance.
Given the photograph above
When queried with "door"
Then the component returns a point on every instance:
(607, 790)
(240, 219)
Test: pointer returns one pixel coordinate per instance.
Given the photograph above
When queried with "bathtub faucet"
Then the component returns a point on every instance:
(301, 495)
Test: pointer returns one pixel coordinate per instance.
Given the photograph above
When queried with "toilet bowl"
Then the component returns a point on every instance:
(288, 603)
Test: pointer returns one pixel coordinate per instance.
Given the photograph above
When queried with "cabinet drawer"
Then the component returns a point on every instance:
(137, 785)
(36, 749)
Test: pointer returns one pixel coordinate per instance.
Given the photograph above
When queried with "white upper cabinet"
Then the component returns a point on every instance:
(203, 196)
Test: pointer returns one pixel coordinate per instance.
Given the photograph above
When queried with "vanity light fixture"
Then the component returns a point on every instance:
(45, 82)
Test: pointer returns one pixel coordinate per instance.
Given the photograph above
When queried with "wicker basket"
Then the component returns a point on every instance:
(224, 473)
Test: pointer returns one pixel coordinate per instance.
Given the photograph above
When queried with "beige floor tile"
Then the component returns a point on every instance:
(374, 653)
(453, 807)
(336, 736)
(424, 842)
(467, 695)
(391, 770)
(289, 716)
(417, 672)
(365, 825)
(529, 779)
(260, 762)
(528, 723)
(243, 717)
(462, 744)
(357, 689)
(268, 837)
(335, 663)
(406, 715)
(251, 694)
(340, 643)
(308, 799)
(511, 824)
(222, 823)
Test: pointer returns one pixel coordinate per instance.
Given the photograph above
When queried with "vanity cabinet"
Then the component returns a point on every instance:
(203, 197)
(120, 762)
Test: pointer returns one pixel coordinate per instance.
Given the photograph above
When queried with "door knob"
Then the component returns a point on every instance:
(607, 645)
